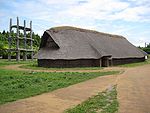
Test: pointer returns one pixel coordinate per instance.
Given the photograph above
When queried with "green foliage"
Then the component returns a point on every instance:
(4, 42)
(104, 102)
(146, 49)
(3, 48)
(16, 85)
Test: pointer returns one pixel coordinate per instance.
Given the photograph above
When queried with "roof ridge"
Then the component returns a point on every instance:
(60, 28)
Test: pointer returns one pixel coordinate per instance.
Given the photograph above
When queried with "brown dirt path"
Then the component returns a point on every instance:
(133, 89)
(61, 99)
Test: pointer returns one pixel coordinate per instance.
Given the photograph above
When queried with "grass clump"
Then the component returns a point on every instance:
(104, 102)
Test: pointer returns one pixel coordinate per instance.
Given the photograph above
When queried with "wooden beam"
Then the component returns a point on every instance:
(25, 44)
(107, 62)
(17, 46)
(9, 41)
(100, 62)
(31, 46)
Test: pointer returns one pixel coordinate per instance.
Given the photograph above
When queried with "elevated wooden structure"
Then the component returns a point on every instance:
(20, 39)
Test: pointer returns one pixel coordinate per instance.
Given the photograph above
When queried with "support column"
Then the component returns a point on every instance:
(17, 46)
(25, 44)
(31, 40)
(111, 62)
(107, 62)
(100, 62)
(9, 41)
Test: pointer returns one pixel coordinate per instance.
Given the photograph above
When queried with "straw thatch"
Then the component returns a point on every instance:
(70, 43)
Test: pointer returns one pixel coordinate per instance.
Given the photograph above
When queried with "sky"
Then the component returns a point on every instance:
(129, 18)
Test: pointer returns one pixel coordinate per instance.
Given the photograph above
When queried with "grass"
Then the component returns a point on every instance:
(16, 85)
(4, 62)
(104, 102)
(35, 67)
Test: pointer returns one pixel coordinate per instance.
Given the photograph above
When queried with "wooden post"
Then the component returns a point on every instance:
(107, 62)
(25, 44)
(17, 46)
(100, 62)
(31, 40)
(111, 62)
(9, 41)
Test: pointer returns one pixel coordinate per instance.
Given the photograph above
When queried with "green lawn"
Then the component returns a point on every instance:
(16, 85)
(4, 62)
(104, 102)
(35, 67)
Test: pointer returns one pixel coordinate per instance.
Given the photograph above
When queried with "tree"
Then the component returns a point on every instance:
(3, 32)
(4, 41)
(146, 49)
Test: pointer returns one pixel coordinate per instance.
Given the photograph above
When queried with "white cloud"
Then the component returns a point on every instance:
(133, 14)
(49, 2)
(109, 10)
(99, 15)
(140, 2)
(96, 9)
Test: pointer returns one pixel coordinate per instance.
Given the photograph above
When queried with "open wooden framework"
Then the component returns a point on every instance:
(20, 39)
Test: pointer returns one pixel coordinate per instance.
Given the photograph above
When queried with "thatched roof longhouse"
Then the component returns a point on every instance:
(76, 43)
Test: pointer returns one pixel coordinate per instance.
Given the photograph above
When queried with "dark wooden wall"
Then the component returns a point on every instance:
(85, 62)
(69, 63)
(127, 61)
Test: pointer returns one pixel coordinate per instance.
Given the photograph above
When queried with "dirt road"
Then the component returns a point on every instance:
(133, 89)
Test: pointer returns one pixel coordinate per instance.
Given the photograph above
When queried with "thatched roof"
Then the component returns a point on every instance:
(77, 43)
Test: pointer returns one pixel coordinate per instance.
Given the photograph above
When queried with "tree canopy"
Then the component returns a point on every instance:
(146, 49)
(4, 41)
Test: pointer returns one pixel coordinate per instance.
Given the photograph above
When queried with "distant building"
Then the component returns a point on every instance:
(75, 47)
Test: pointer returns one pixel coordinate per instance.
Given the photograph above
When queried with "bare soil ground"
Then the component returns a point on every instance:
(133, 87)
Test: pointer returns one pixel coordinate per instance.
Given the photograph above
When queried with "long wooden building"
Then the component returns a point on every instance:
(75, 47)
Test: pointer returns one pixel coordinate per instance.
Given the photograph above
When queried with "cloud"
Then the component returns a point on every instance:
(140, 2)
(133, 14)
(96, 9)
(113, 16)
(110, 10)
(62, 2)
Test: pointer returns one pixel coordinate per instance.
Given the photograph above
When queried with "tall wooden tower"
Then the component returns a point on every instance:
(18, 49)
